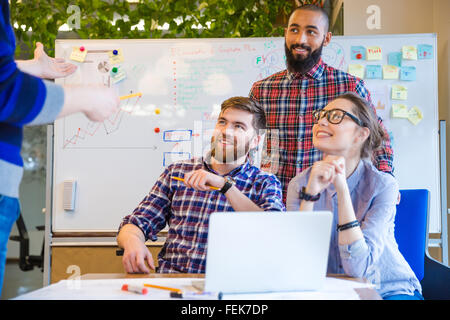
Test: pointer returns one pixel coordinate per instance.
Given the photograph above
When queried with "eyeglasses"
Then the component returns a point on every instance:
(334, 116)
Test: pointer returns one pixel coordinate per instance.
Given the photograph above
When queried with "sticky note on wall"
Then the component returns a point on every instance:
(395, 59)
(390, 72)
(358, 53)
(78, 54)
(117, 74)
(374, 53)
(425, 51)
(357, 70)
(400, 111)
(415, 115)
(408, 73)
(374, 72)
(115, 56)
(409, 53)
(399, 92)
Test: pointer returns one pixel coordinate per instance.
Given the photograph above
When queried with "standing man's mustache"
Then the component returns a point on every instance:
(301, 46)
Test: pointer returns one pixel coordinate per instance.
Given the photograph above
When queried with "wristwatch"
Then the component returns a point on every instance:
(229, 182)
(308, 197)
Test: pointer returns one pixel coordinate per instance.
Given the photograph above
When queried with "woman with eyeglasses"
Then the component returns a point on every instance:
(362, 199)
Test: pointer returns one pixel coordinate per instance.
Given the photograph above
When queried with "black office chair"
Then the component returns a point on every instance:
(27, 262)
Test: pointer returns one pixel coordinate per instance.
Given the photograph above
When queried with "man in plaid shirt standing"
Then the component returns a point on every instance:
(223, 180)
(289, 97)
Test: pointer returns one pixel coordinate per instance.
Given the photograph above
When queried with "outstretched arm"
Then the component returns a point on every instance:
(45, 67)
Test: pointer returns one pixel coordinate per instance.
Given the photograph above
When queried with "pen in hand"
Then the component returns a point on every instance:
(181, 179)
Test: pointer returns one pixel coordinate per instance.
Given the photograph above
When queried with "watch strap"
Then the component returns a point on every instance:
(349, 225)
(308, 197)
(228, 184)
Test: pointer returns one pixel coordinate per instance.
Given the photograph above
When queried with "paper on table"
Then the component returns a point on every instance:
(110, 289)
(334, 289)
(399, 92)
(415, 115)
(357, 70)
(105, 289)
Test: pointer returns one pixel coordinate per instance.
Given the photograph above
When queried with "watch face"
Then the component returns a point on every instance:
(230, 180)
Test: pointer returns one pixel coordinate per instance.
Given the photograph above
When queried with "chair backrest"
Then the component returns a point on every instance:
(411, 227)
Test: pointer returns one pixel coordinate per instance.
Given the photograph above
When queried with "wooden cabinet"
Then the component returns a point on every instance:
(69, 262)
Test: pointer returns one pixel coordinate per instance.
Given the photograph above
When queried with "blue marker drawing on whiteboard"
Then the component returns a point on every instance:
(170, 157)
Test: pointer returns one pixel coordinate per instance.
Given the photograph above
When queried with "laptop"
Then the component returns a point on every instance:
(254, 252)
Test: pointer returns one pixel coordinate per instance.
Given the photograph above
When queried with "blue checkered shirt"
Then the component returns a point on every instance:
(187, 211)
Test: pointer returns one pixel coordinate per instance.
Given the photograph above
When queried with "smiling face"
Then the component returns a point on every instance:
(305, 36)
(343, 139)
(234, 135)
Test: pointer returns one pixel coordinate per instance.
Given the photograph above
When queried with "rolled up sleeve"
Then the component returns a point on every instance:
(359, 259)
(272, 195)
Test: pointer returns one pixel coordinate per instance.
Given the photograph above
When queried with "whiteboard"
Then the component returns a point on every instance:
(183, 82)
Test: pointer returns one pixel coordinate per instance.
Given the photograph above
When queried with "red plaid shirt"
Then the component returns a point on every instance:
(289, 100)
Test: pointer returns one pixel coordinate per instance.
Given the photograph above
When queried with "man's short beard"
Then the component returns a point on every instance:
(302, 65)
(227, 155)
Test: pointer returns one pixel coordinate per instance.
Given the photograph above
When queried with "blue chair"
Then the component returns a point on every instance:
(411, 233)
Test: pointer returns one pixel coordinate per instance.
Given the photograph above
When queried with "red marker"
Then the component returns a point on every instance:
(81, 49)
(134, 288)
(157, 130)
(359, 56)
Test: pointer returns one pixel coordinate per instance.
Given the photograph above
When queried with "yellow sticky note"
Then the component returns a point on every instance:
(390, 72)
(399, 92)
(400, 111)
(357, 70)
(415, 115)
(115, 56)
(374, 53)
(78, 54)
(409, 53)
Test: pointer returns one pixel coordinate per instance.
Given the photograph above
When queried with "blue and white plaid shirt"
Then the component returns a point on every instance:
(187, 211)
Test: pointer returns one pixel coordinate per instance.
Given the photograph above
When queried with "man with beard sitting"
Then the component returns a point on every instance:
(289, 97)
(223, 180)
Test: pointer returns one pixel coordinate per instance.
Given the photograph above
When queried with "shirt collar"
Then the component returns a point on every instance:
(315, 72)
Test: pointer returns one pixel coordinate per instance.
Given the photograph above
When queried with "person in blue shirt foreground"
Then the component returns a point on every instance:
(26, 99)
(362, 199)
